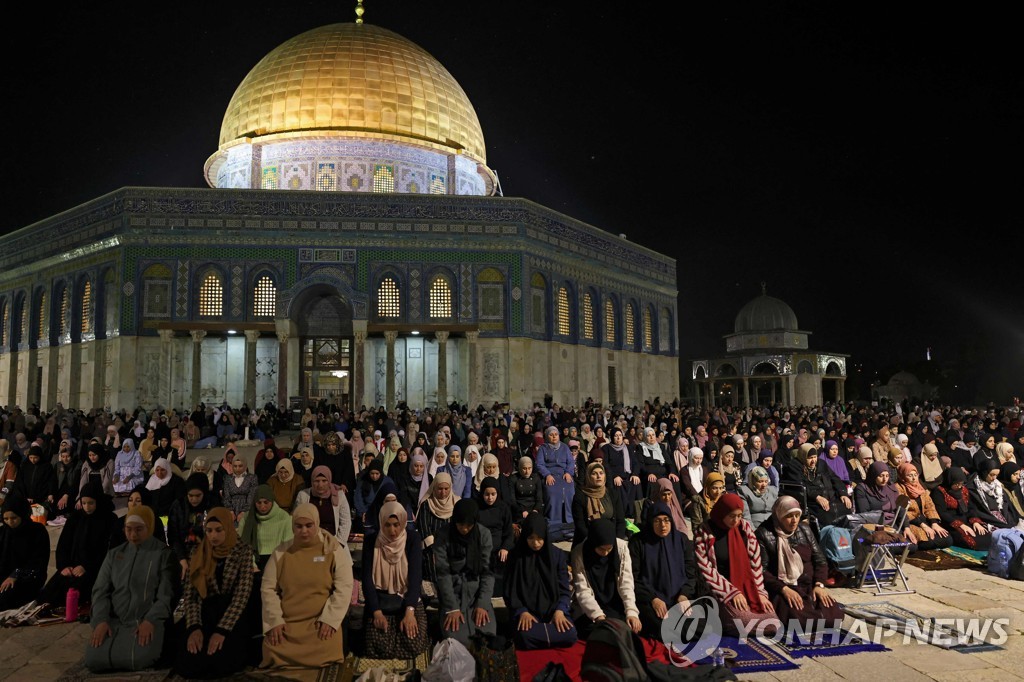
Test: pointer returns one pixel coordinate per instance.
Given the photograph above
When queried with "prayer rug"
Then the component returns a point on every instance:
(533, 661)
(923, 628)
(750, 657)
(841, 645)
(971, 556)
(395, 665)
(571, 658)
(938, 560)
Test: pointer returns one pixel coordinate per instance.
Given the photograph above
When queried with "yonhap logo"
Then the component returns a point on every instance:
(693, 630)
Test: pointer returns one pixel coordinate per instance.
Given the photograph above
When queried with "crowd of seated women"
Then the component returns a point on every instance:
(654, 506)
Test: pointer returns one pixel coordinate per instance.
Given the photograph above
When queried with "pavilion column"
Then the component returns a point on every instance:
(711, 393)
(357, 367)
(282, 367)
(197, 365)
(74, 396)
(389, 377)
(251, 337)
(746, 392)
(442, 368)
(473, 337)
(841, 390)
(166, 365)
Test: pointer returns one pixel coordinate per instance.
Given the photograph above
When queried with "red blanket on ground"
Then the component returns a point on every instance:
(571, 658)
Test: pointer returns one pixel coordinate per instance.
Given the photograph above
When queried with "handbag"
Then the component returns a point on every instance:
(497, 663)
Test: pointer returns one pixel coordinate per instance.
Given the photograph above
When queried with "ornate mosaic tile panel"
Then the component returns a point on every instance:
(236, 291)
(181, 298)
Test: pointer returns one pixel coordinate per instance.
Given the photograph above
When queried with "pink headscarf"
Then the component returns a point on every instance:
(326, 473)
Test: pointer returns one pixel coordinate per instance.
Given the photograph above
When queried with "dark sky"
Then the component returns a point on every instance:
(863, 159)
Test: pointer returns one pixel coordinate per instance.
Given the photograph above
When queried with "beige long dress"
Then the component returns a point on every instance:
(304, 586)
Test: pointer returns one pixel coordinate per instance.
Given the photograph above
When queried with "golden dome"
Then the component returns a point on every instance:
(354, 78)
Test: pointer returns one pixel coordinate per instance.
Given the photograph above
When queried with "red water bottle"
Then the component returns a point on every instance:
(71, 606)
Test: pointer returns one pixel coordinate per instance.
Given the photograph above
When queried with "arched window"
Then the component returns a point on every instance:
(609, 321)
(490, 285)
(388, 301)
(264, 297)
(41, 328)
(156, 292)
(588, 317)
(563, 311)
(538, 286)
(664, 331)
(383, 179)
(87, 324)
(62, 321)
(630, 337)
(23, 329)
(211, 296)
(3, 322)
(648, 331)
(440, 298)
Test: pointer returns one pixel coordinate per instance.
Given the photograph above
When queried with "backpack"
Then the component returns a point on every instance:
(1006, 544)
(1017, 565)
(837, 543)
(611, 655)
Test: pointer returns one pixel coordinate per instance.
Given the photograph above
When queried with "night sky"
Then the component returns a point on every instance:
(862, 159)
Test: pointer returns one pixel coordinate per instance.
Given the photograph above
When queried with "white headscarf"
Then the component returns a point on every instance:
(155, 482)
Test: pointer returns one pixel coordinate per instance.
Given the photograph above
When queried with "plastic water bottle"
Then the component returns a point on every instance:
(71, 606)
(718, 658)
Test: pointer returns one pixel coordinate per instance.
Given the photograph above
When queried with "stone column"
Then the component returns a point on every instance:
(197, 365)
(99, 372)
(389, 375)
(772, 384)
(711, 393)
(841, 390)
(52, 372)
(166, 363)
(442, 368)
(31, 376)
(282, 367)
(746, 392)
(358, 360)
(251, 337)
(74, 396)
(474, 372)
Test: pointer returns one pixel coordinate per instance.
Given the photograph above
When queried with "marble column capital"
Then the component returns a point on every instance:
(442, 337)
(390, 337)
(252, 335)
(360, 337)
(166, 335)
(472, 337)
(197, 335)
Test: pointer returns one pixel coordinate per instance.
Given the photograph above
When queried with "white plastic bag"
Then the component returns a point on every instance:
(451, 662)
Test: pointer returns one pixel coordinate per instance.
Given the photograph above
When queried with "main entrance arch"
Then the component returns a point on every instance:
(323, 320)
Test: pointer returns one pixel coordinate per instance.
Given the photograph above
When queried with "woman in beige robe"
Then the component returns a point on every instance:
(307, 589)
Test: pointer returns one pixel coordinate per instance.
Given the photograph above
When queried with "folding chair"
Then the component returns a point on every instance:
(881, 565)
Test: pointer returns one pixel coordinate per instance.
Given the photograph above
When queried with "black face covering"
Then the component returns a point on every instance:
(533, 576)
(602, 571)
(466, 511)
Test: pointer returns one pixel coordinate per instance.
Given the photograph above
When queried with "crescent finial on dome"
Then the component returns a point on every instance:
(359, 11)
(764, 288)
